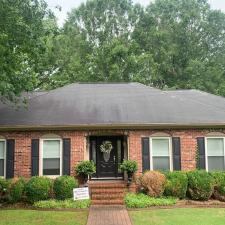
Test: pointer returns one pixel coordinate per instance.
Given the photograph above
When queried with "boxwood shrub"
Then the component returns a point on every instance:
(219, 185)
(176, 184)
(4, 188)
(200, 185)
(38, 188)
(16, 189)
(63, 187)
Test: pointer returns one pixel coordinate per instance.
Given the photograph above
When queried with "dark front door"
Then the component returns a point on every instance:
(107, 162)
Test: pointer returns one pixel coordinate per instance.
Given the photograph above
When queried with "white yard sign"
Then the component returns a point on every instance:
(80, 193)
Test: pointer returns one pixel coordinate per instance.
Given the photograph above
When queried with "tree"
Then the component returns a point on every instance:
(186, 40)
(96, 44)
(22, 43)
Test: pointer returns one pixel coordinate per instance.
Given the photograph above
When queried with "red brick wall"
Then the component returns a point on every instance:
(78, 146)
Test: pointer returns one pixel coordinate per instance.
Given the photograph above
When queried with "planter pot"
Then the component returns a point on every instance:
(129, 177)
(84, 180)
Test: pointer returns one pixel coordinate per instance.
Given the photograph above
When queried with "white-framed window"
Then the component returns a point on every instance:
(2, 157)
(161, 153)
(51, 157)
(215, 153)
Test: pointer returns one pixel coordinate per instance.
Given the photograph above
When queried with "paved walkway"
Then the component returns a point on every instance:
(108, 215)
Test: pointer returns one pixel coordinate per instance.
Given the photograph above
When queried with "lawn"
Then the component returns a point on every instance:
(184, 216)
(33, 217)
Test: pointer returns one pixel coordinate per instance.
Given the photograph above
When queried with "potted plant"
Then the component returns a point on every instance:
(85, 169)
(130, 167)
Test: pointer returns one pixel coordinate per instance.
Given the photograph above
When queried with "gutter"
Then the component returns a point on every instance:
(131, 126)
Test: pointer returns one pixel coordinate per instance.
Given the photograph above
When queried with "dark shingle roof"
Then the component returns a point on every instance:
(116, 104)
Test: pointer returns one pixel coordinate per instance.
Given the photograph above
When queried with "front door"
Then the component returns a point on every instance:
(108, 151)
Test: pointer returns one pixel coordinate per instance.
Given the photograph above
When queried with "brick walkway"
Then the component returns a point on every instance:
(108, 215)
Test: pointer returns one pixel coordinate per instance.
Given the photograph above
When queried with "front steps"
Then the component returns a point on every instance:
(107, 192)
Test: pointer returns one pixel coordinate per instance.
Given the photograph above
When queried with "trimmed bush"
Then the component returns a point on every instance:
(4, 188)
(176, 184)
(85, 168)
(38, 188)
(200, 185)
(16, 189)
(219, 185)
(129, 166)
(153, 183)
(143, 201)
(62, 204)
(63, 187)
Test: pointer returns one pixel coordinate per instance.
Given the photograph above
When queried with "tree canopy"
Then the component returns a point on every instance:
(170, 44)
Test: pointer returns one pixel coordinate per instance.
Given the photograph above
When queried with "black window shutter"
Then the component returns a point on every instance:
(66, 156)
(201, 153)
(145, 154)
(34, 157)
(176, 153)
(10, 153)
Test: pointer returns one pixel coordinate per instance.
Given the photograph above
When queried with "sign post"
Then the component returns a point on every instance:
(80, 193)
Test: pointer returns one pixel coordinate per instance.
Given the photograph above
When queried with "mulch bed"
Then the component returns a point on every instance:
(187, 204)
(27, 206)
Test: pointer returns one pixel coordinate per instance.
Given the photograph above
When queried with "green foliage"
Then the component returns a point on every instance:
(38, 188)
(4, 188)
(16, 190)
(219, 185)
(63, 187)
(85, 168)
(144, 201)
(200, 185)
(61, 204)
(129, 166)
(22, 43)
(176, 184)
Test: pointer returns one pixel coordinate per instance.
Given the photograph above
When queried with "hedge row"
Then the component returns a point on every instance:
(36, 189)
(196, 185)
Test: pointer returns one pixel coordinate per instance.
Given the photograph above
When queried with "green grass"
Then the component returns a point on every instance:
(144, 201)
(34, 217)
(179, 216)
(63, 204)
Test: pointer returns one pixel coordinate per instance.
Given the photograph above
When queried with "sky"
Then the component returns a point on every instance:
(67, 5)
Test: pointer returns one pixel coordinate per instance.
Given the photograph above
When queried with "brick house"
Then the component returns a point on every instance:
(158, 129)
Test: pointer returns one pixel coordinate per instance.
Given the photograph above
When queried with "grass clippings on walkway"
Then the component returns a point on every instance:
(184, 216)
(34, 217)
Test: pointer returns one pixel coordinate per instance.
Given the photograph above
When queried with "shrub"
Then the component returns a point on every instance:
(38, 188)
(153, 183)
(62, 204)
(200, 185)
(219, 185)
(143, 201)
(129, 166)
(16, 189)
(63, 187)
(85, 168)
(4, 188)
(176, 184)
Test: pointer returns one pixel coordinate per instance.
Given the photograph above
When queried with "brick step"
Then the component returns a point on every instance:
(107, 202)
(107, 190)
(112, 196)
(107, 186)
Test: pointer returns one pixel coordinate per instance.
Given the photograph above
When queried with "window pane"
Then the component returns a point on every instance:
(215, 147)
(51, 149)
(1, 167)
(160, 147)
(161, 163)
(119, 154)
(2, 149)
(51, 166)
(215, 163)
(93, 151)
